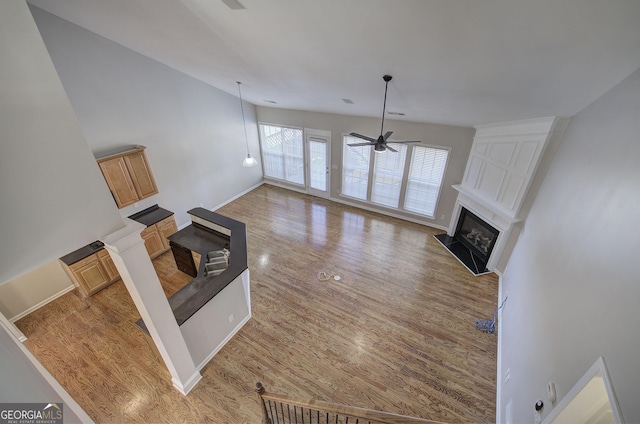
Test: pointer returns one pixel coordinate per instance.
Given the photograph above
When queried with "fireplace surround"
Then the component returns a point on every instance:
(503, 160)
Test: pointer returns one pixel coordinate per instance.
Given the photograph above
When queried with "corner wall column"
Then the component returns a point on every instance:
(128, 252)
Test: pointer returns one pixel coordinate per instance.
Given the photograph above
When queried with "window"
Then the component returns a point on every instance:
(425, 179)
(355, 169)
(282, 153)
(388, 170)
(409, 179)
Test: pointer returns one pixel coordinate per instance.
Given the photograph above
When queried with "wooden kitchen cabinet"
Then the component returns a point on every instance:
(107, 263)
(155, 236)
(166, 227)
(152, 241)
(128, 176)
(92, 273)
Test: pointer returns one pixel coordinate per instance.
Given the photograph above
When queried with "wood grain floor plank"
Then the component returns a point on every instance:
(395, 333)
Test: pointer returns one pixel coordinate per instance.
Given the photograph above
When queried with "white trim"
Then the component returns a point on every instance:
(598, 367)
(360, 206)
(68, 401)
(236, 197)
(226, 202)
(41, 304)
(391, 214)
(224, 342)
(499, 355)
(189, 384)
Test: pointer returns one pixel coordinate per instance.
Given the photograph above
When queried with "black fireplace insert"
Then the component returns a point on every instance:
(473, 232)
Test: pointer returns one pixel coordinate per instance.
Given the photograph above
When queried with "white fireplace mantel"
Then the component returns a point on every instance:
(503, 161)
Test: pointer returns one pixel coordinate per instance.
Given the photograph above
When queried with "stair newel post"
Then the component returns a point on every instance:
(265, 415)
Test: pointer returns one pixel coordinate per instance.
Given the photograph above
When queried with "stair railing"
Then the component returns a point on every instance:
(279, 409)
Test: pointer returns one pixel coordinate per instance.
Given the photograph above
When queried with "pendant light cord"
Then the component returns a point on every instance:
(244, 124)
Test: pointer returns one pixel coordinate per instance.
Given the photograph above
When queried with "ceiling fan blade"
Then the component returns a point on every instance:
(391, 148)
(360, 144)
(364, 137)
(401, 141)
(387, 135)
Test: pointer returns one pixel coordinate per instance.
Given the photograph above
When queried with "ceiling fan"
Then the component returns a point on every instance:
(382, 142)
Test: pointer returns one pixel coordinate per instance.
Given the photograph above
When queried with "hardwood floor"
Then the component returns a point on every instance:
(395, 333)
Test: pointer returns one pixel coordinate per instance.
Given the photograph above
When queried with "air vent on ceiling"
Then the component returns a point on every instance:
(395, 113)
(348, 101)
(233, 4)
(271, 101)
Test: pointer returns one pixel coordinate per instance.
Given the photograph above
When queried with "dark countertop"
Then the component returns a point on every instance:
(198, 238)
(82, 253)
(151, 215)
(148, 217)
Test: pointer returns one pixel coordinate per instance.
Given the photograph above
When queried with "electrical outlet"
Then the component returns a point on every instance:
(136, 205)
(507, 376)
(443, 217)
(231, 318)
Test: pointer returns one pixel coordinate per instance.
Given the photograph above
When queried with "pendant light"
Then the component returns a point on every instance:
(248, 161)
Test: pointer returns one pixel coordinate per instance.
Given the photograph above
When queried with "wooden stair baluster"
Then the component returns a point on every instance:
(265, 415)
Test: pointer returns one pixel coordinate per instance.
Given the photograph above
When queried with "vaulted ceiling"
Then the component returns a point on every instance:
(458, 62)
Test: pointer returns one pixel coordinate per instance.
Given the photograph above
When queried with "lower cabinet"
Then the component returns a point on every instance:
(97, 270)
(92, 273)
(155, 236)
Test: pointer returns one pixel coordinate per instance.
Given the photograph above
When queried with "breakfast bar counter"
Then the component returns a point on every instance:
(209, 231)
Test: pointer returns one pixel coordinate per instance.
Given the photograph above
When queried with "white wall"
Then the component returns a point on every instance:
(213, 325)
(54, 198)
(24, 379)
(459, 139)
(193, 132)
(31, 290)
(573, 277)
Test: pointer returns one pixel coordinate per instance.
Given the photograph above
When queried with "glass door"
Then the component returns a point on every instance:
(317, 144)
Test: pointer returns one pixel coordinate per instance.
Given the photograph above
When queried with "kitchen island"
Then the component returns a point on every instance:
(211, 308)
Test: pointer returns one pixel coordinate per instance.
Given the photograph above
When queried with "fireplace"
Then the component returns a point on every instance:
(475, 234)
(473, 241)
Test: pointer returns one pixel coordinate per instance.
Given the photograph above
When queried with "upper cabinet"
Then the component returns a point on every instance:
(128, 176)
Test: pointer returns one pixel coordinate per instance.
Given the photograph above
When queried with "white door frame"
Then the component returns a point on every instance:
(318, 136)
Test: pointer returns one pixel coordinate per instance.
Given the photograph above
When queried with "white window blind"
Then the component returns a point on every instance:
(355, 169)
(388, 170)
(425, 179)
(282, 153)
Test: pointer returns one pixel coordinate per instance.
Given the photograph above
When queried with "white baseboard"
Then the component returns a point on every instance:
(190, 384)
(365, 207)
(499, 354)
(237, 196)
(224, 342)
(41, 304)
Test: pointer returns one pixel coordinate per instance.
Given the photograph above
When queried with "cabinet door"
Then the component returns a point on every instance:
(90, 275)
(152, 241)
(109, 266)
(116, 174)
(141, 175)
(166, 227)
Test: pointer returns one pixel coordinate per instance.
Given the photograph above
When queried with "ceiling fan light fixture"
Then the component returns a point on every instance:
(380, 144)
